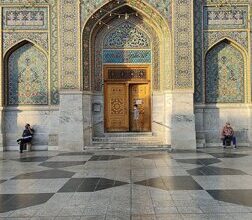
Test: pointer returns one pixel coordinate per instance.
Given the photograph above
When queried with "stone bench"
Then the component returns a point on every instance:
(28, 146)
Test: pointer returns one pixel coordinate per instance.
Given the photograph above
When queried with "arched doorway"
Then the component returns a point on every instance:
(124, 55)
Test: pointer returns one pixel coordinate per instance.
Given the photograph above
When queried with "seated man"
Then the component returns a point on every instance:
(26, 137)
(228, 133)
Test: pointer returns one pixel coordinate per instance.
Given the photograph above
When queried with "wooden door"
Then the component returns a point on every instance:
(116, 107)
(140, 96)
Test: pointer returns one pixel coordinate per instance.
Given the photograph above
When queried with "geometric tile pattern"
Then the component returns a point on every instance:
(27, 76)
(126, 185)
(213, 37)
(198, 64)
(69, 47)
(183, 49)
(54, 81)
(224, 74)
(10, 39)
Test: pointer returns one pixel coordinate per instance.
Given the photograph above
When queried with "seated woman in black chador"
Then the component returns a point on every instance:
(26, 137)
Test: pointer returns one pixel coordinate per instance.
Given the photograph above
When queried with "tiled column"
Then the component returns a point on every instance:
(183, 120)
(71, 98)
(250, 101)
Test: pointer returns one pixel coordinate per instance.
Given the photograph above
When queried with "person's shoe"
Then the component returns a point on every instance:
(21, 152)
(235, 147)
(224, 146)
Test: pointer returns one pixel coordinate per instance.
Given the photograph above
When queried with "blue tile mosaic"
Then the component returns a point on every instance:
(126, 56)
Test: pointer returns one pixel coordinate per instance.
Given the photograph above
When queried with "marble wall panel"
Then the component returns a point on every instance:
(213, 119)
(44, 122)
(98, 115)
(71, 121)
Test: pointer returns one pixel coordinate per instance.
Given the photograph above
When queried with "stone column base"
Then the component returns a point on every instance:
(71, 121)
(183, 121)
(87, 109)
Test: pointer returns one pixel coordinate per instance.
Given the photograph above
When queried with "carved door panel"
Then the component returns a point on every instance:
(140, 96)
(116, 107)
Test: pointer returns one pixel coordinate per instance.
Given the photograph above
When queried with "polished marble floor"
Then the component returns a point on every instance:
(136, 185)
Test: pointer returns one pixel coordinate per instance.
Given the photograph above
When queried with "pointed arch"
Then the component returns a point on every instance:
(144, 11)
(26, 74)
(231, 41)
(20, 43)
(225, 72)
(142, 7)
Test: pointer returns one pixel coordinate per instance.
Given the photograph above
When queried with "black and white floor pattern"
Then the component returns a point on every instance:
(203, 184)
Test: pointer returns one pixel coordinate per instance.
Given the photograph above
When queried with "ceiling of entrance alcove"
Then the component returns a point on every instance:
(120, 13)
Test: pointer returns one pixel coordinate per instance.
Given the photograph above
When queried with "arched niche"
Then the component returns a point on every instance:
(128, 42)
(26, 75)
(225, 66)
